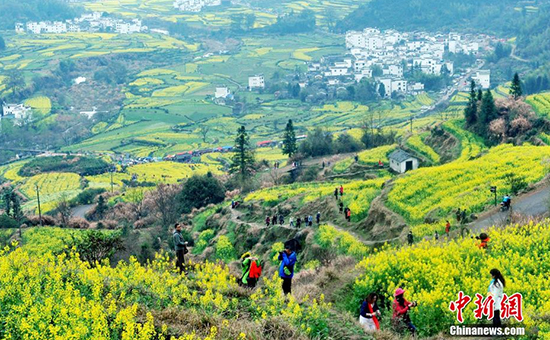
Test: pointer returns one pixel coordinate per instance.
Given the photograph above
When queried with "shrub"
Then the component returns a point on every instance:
(224, 249)
(78, 223)
(7, 222)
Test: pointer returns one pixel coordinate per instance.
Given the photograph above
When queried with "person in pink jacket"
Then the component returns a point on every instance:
(401, 311)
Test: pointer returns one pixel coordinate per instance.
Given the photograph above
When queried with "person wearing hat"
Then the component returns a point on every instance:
(286, 268)
(401, 310)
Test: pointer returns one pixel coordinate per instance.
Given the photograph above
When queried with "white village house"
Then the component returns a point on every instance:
(256, 82)
(483, 78)
(18, 112)
(222, 92)
(401, 161)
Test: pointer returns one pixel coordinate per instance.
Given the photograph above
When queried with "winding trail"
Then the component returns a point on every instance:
(532, 204)
(81, 210)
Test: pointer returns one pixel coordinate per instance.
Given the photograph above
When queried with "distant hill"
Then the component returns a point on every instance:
(12, 11)
(489, 15)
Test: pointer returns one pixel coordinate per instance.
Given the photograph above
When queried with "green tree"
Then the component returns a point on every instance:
(101, 207)
(2, 44)
(488, 112)
(289, 141)
(95, 245)
(15, 80)
(515, 89)
(243, 156)
(200, 191)
(382, 90)
(479, 95)
(470, 112)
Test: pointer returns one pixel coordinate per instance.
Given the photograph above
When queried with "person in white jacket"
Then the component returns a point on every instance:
(496, 290)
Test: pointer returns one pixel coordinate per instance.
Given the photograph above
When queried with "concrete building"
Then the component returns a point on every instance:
(222, 92)
(483, 78)
(256, 82)
(19, 112)
(401, 161)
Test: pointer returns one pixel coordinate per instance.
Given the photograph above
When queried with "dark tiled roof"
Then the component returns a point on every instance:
(400, 156)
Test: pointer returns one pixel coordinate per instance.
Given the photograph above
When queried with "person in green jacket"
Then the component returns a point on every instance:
(246, 263)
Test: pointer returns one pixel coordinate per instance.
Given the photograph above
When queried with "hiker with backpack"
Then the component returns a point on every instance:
(336, 193)
(286, 268)
(348, 214)
(274, 220)
(267, 221)
(447, 228)
(291, 221)
(281, 219)
(252, 270)
(298, 222)
(180, 246)
(370, 313)
(341, 190)
(310, 220)
(341, 205)
(318, 217)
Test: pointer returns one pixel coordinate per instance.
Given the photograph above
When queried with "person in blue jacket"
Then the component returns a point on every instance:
(286, 269)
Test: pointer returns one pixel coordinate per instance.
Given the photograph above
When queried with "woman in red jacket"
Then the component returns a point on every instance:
(401, 311)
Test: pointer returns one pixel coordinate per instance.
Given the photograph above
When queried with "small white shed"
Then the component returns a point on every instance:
(401, 161)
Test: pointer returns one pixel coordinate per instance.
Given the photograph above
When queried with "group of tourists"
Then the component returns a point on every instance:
(307, 220)
(370, 314)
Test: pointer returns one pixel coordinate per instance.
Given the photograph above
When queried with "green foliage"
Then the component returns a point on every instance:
(101, 207)
(200, 191)
(243, 156)
(292, 22)
(87, 196)
(470, 112)
(2, 44)
(36, 10)
(8, 222)
(516, 182)
(289, 140)
(84, 166)
(317, 143)
(429, 15)
(202, 242)
(94, 246)
(515, 89)
(224, 249)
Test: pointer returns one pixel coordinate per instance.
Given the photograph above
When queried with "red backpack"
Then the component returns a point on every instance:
(255, 269)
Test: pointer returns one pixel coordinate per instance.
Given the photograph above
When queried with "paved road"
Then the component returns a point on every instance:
(81, 210)
(533, 204)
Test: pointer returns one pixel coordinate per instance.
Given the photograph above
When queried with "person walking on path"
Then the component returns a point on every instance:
(336, 193)
(341, 204)
(298, 222)
(401, 311)
(436, 235)
(267, 221)
(447, 228)
(318, 217)
(463, 216)
(410, 238)
(341, 190)
(286, 268)
(496, 290)
(291, 221)
(281, 219)
(458, 215)
(310, 220)
(348, 214)
(180, 246)
(369, 313)
(274, 220)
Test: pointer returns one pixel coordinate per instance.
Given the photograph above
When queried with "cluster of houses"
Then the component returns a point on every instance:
(187, 156)
(88, 22)
(387, 55)
(19, 113)
(194, 5)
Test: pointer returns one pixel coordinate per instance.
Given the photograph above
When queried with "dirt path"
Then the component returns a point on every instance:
(532, 204)
(81, 210)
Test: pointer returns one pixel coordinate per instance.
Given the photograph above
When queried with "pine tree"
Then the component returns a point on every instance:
(470, 113)
(488, 112)
(289, 140)
(515, 90)
(479, 95)
(243, 156)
